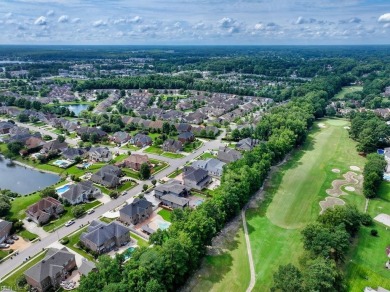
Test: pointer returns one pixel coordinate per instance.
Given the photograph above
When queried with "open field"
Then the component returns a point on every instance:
(292, 199)
(347, 89)
(228, 271)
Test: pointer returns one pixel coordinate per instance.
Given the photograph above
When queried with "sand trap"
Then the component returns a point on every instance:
(321, 125)
(383, 218)
(330, 202)
(350, 178)
(350, 189)
(355, 168)
(336, 170)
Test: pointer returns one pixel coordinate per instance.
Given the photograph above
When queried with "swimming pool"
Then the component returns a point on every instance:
(62, 163)
(198, 202)
(128, 253)
(62, 189)
(162, 224)
(386, 176)
(380, 151)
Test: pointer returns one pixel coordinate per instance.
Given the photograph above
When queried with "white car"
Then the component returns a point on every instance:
(90, 211)
(70, 222)
(4, 245)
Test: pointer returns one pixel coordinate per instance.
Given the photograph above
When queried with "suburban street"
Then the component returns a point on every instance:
(9, 265)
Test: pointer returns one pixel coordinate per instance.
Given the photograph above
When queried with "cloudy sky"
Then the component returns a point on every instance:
(236, 22)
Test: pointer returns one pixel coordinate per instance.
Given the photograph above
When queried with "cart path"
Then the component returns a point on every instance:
(249, 251)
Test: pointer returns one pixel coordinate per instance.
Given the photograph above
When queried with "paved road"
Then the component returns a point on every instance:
(10, 265)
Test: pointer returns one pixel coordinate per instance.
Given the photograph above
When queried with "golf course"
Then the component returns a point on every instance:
(292, 197)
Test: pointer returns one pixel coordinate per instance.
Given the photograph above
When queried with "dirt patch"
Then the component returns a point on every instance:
(330, 202)
(336, 170)
(350, 189)
(350, 178)
(354, 168)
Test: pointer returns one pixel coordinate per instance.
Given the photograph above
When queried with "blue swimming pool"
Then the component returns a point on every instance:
(163, 225)
(380, 151)
(386, 177)
(62, 163)
(62, 189)
(128, 253)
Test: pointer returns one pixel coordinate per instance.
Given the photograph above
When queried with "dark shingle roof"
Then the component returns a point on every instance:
(136, 207)
(99, 232)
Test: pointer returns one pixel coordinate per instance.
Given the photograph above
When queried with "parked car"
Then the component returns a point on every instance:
(15, 237)
(90, 211)
(70, 222)
(9, 241)
(4, 245)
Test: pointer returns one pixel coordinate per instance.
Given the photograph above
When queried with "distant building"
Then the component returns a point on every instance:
(171, 145)
(213, 166)
(134, 161)
(52, 270)
(102, 154)
(196, 178)
(5, 229)
(172, 194)
(227, 154)
(81, 192)
(44, 210)
(107, 176)
(247, 144)
(186, 137)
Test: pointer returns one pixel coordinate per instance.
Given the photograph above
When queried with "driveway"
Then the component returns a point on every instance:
(33, 228)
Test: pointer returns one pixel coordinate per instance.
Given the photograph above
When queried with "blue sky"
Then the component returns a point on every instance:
(173, 22)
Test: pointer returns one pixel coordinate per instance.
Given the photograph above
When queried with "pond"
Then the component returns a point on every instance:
(24, 180)
(77, 108)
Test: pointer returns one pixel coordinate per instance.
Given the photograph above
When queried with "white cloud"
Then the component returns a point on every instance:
(8, 15)
(135, 19)
(50, 13)
(63, 19)
(259, 26)
(40, 21)
(384, 17)
(302, 20)
(76, 20)
(99, 23)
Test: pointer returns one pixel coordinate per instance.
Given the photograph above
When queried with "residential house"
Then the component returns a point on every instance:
(101, 237)
(81, 192)
(174, 202)
(136, 212)
(226, 154)
(44, 210)
(54, 146)
(86, 267)
(48, 273)
(72, 153)
(183, 127)
(141, 140)
(172, 194)
(102, 154)
(207, 130)
(213, 166)
(186, 137)
(247, 144)
(195, 178)
(134, 161)
(5, 229)
(5, 127)
(86, 130)
(120, 137)
(107, 176)
(171, 145)
(32, 144)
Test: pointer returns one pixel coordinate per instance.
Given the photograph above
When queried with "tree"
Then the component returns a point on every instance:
(287, 278)
(144, 187)
(154, 182)
(15, 147)
(78, 211)
(166, 128)
(61, 138)
(144, 172)
(322, 275)
(5, 206)
(49, 192)
(113, 195)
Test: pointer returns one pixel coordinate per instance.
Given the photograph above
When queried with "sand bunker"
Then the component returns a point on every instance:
(330, 202)
(383, 218)
(355, 168)
(350, 189)
(336, 170)
(321, 125)
(350, 178)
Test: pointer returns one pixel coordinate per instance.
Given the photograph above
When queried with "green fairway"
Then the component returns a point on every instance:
(226, 272)
(347, 89)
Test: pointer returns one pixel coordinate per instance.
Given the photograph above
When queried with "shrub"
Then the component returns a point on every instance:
(65, 240)
(374, 232)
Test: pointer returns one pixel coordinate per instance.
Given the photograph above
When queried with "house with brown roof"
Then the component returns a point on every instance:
(134, 161)
(171, 145)
(44, 210)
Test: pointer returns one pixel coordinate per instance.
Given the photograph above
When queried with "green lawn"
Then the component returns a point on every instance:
(347, 89)
(131, 173)
(140, 241)
(11, 280)
(175, 173)
(292, 200)
(73, 244)
(20, 204)
(154, 150)
(228, 271)
(130, 147)
(173, 155)
(27, 235)
(192, 146)
(165, 214)
(159, 165)
(206, 155)
(120, 157)
(126, 186)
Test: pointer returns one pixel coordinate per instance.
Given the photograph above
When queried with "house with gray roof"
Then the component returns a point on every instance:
(52, 270)
(247, 144)
(80, 193)
(173, 187)
(102, 154)
(72, 153)
(107, 176)
(171, 145)
(141, 140)
(5, 127)
(5, 229)
(214, 167)
(120, 137)
(226, 154)
(86, 267)
(174, 202)
(54, 146)
(186, 137)
(136, 212)
(101, 237)
(195, 178)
